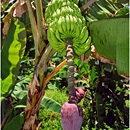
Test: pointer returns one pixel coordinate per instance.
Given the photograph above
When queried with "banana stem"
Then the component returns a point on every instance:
(41, 25)
(70, 72)
(34, 29)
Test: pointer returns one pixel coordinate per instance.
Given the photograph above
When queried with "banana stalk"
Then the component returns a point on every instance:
(70, 72)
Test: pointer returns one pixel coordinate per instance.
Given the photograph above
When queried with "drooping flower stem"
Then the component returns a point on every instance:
(70, 71)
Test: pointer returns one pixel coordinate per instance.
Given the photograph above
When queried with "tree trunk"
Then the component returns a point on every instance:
(34, 97)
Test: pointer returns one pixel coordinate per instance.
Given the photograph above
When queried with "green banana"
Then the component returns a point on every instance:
(49, 6)
(84, 37)
(76, 40)
(68, 3)
(68, 23)
(63, 11)
(80, 23)
(48, 21)
(63, 24)
(52, 25)
(84, 21)
(77, 8)
(53, 5)
(47, 13)
(69, 10)
(58, 24)
(58, 13)
(75, 20)
(55, 44)
(58, 35)
(59, 3)
(86, 44)
(62, 46)
(64, 4)
(56, 4)
(71, 23)
(52, 43)
(81, 49)
(54, 15)
(77, 32)
(53, 35)
(82, 32)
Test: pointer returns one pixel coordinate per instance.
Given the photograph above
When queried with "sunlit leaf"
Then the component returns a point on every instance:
(12, 52)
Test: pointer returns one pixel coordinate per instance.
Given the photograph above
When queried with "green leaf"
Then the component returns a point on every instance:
(99, 108)
(52, 86)
(119, 1)
(20, 106)
(111, 40)
(127, 102)
(12, 52)
(19, 94)
(63, 69)
(100, 9)
(15, 123)
(122, 46)
(77, 61)
(51, 104)
(93, 74)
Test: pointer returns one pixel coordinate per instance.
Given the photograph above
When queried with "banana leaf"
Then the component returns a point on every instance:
(15, 123)
(111, 40)
(11, 54)
(120, 1)
(51, 104)
(99, 109)
(100, 9)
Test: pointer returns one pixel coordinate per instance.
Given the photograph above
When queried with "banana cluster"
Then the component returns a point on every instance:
(65, 21)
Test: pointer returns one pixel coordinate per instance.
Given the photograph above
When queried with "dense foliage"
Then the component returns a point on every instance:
(106, 101)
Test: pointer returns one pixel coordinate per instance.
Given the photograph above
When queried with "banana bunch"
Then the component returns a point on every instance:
(65, 21)
(63, 7)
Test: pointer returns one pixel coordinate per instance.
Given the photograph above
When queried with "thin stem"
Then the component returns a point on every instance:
(42, 65)
(41, 25)
(70, 72)
(34, 28)
(86, 5)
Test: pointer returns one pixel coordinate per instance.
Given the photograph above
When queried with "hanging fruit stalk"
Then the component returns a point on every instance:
(70, 72)
(68, 35)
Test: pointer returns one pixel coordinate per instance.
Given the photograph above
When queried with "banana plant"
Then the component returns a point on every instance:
(68, 35)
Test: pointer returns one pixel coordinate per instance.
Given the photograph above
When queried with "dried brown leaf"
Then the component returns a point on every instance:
(20, 8)
(1, 8)
(6, 22)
